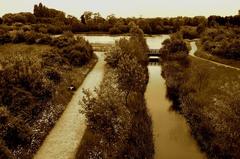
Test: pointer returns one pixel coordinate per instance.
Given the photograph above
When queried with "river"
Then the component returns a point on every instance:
(172, 137)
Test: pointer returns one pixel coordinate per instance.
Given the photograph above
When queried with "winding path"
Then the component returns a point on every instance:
(194, 49)
(64, 139)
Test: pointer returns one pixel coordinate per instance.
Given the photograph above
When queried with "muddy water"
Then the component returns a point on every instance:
(172, 138)
(64, 139)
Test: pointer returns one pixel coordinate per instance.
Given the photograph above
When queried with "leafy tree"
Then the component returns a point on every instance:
(83, 19)
(131, 75)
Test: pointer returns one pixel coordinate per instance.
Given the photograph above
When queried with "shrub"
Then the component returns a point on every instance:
(53, 58)
(30, 37)
(63, 41)
(79, 53)
(43, 39)
(114, 30)
(189, 33)
(113, 56)
(5, 38)
(17, 36)
(54, 29)
(175, 49)
(14, 131)
(22, 82)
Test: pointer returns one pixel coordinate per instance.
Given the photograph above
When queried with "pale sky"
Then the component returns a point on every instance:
(129, 8)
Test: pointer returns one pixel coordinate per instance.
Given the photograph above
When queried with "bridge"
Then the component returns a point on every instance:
(154, 56)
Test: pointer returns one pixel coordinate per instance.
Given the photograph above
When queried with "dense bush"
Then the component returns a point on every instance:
(174, 49)
(63, 41)
(115, 30)
(222, 42)
(53, 29)
(22, 84)
(175, 60)
(79, 53)
(14, 131)
(190, 32)
(117, 111)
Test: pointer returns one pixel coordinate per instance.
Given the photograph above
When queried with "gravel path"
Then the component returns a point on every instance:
(64, 139)
(194, 49)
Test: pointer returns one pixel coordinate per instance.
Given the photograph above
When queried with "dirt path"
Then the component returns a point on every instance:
(64, 139)
(194, 49)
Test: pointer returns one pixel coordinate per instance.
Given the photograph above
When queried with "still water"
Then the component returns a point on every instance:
(153, 41)
(172, 138)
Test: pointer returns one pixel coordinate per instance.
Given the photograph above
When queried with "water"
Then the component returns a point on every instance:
(154, 42)
(172, 138)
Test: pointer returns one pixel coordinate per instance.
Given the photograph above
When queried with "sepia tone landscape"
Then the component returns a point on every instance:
(118, 87)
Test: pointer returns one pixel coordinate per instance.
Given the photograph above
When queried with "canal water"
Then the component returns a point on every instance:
(172, 138)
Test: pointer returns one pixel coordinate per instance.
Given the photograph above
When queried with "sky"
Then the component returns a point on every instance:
(129, 8)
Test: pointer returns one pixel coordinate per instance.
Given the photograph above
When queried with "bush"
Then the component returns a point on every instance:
(63, 41)
(53, 29)
(43, 39)
(175, 49)
(14, 131)
(30, 37)
(22, 83)
(17, 36)
(5, 38)
(113, 56)
(114, 30)
(222, 42)
(79, 53)
(189, 33)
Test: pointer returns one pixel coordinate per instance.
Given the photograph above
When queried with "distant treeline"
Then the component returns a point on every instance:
(53, 21)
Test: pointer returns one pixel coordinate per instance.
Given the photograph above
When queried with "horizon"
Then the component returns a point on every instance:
(140, 8)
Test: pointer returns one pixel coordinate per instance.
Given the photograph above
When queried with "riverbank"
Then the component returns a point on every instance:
(208, 97)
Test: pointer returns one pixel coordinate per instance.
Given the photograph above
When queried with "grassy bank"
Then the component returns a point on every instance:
(35, 81)
(207, 95)
(118, 125)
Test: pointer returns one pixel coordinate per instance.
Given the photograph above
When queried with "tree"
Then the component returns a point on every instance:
(131, 77)
(83, 19)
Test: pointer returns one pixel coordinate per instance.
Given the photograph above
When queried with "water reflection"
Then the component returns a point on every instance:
(172, 138)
